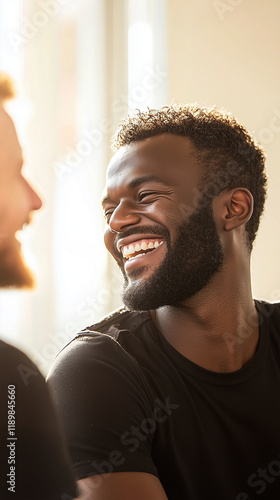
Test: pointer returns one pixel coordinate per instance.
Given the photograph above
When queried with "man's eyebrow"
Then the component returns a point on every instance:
(146, 178)
(106, 199)
(137, 182)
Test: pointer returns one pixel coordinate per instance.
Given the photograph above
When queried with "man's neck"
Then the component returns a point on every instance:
(218, 329)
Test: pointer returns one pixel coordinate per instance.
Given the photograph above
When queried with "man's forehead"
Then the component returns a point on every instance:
(169, 157)
(9, 144)
(159, 149)
(118, 159)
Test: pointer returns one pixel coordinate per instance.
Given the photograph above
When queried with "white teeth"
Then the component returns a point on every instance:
(135, 256)
(131, 249)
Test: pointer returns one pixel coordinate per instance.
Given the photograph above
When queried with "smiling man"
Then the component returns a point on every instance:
(33, 460)
(176, 395)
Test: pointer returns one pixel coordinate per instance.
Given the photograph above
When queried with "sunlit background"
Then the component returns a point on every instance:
(79, 67)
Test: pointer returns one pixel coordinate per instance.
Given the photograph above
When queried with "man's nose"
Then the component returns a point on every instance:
(35, 200)
(124, 215)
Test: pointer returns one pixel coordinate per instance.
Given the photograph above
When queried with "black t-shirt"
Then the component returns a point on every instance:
(131, 402)
(33, 461)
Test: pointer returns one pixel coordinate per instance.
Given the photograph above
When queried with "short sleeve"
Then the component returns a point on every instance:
(33, 455)
(105, 407)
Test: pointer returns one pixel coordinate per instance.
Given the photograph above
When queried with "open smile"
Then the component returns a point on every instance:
(140, 248)
(141, 253)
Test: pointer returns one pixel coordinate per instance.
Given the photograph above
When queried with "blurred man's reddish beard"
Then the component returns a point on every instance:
(13, 270)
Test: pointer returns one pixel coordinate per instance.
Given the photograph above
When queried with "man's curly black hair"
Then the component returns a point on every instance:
(228, 155)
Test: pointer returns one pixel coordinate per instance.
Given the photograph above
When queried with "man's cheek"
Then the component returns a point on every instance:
(107, 238)
(109, 242)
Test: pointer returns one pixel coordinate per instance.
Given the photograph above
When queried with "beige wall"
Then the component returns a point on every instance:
(226, 53)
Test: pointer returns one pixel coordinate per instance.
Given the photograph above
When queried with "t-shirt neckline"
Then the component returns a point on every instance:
(229, 378)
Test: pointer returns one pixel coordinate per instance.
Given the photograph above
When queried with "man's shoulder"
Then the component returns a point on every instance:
(105, 339)
(269, 310)
(11, 356)
(107, 351)
(118, 321)
(18, 370)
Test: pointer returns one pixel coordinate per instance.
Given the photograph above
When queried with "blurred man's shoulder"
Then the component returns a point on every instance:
(18, 370)
(11, 355)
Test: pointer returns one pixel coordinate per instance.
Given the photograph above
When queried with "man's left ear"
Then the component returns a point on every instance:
(238, 205)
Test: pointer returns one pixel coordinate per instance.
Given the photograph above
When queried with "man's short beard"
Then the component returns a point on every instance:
(189, 265)
(14, 273)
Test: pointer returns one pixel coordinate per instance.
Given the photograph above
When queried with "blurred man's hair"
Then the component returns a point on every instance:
(228, 155)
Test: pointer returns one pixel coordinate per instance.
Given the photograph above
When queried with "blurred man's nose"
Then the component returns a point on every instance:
(36, 202)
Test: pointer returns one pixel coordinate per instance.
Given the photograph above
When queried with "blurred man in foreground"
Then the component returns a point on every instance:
(177, 395)
(33, 461)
